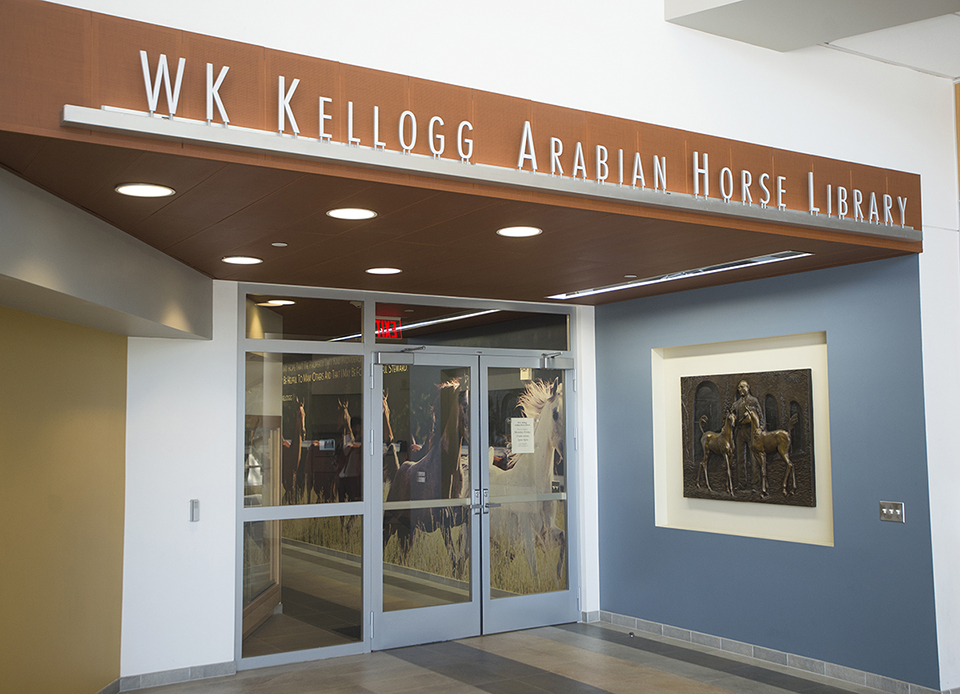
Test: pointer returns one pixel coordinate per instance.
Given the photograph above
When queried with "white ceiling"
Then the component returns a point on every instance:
(919, 34)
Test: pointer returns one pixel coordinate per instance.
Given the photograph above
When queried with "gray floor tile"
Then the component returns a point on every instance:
(594, 656)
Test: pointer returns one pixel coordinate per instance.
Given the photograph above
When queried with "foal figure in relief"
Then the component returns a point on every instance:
(720, 443)
(763, 443)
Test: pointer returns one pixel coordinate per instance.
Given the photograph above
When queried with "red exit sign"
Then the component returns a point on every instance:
(389, 328)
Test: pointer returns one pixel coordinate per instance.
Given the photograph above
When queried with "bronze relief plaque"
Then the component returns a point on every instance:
(749, 437)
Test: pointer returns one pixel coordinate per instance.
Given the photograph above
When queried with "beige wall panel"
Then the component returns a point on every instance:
(62, 421)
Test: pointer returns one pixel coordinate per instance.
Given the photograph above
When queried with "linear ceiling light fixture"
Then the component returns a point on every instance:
(425, 323)
(449, 319)
(277, 302)
(351, 213)
(685, 274)
(383, 271)
(144, 190)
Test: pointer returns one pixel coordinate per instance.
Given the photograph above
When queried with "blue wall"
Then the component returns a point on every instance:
(867, 602)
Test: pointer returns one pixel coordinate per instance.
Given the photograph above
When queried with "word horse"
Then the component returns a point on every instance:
(763, 443)
(529, 524)
(720, 443)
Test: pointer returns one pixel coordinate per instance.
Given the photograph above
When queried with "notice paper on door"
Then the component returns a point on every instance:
(521, 435)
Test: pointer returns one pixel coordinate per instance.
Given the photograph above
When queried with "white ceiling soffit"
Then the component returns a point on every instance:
(785, 25)
(929, 46)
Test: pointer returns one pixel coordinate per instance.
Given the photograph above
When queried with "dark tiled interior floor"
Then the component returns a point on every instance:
(567, 659)
(307, 619)
(321, 601)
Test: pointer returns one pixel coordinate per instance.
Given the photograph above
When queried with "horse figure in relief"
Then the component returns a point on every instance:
(763, 443)
(533, 523)
(720, 443)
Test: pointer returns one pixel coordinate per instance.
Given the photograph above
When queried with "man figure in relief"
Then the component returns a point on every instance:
(745, 462)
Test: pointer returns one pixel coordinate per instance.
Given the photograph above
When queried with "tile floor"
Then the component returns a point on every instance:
(567, 659)
(322, 599)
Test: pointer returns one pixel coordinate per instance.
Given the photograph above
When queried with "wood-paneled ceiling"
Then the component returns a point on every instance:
(443, 240)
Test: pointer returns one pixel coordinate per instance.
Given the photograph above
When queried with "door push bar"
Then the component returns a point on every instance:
(487, 504)
(477, 506)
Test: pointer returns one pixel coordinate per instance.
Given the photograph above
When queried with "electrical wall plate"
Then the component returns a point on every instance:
(891, 511)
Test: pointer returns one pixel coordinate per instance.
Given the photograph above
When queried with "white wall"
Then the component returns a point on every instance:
(589, 539)
(178, 576)
(940, 306)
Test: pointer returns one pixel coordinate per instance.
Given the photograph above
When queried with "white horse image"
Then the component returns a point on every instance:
(517, 481)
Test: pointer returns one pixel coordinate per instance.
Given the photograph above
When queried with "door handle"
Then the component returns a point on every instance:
(487, 504)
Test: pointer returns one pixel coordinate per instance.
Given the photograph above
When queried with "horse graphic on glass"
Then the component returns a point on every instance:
(528, 516)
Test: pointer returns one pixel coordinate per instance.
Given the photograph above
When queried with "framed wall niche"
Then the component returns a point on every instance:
(811, 525)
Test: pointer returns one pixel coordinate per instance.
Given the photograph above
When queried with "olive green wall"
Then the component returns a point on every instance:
(62, 421)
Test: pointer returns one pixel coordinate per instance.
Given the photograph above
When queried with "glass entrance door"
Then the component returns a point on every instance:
(474, 506)
(527, 577)
(428, 573)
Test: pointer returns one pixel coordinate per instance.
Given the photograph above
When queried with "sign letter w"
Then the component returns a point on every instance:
(163, 75)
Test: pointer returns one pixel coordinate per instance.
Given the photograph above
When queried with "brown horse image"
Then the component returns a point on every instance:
(437, 475)
(349, 458)
(720, 443)
(291, 471)
(763, 443)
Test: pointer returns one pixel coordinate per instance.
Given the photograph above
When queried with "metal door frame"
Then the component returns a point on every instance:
(372, 485)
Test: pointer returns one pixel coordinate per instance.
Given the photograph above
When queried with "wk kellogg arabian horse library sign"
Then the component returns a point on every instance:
(273, 103)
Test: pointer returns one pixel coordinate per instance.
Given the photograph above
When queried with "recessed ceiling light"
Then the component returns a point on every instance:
(280, 302)
(519, 232)
(384, 271)
(144, 190)
(629, 277)
(278, 244)
(408, 310)
(352, 213)
(241, 260)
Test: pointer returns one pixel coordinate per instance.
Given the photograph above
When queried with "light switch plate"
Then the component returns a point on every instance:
(891, 511)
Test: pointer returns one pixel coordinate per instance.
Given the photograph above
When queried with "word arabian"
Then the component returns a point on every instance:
(850, 203)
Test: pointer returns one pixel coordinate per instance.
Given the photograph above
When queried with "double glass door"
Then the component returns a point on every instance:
(474, 509)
